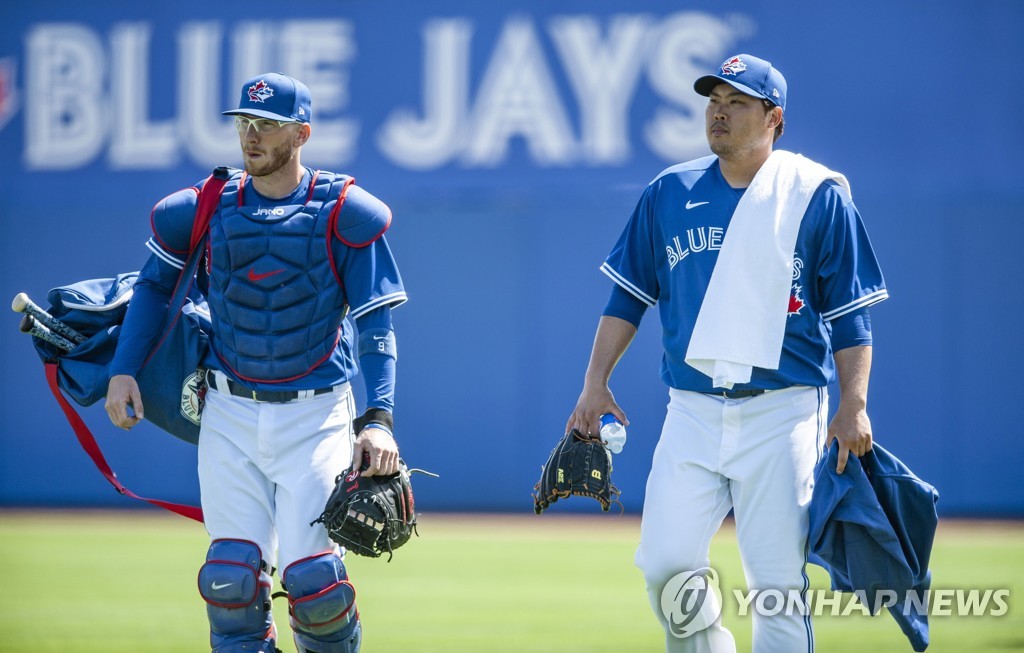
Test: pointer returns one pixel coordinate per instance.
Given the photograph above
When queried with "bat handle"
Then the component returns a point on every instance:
(38, 330)
(23, 304)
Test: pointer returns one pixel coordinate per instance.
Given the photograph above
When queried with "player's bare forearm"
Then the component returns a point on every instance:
(850, 425)
(613, 338)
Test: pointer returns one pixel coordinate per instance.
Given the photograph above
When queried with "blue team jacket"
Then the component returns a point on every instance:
(872, 528)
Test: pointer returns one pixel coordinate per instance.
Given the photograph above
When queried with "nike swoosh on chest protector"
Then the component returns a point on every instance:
(253, 276)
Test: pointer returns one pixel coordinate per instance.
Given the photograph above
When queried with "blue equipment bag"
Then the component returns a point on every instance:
(168, 380)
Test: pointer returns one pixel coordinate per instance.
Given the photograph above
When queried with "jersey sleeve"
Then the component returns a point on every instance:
(172, 219)
(631, 263)
(849, 276)
(370, 276)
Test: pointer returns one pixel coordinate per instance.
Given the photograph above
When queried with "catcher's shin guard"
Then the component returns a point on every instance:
(236, 587)
(322, 605)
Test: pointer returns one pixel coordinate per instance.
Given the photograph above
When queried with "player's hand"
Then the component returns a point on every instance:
(594, 401)
(122, 392)
(852, 428)
(381, 449)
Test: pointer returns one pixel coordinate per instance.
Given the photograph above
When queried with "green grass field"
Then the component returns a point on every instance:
(110, 582)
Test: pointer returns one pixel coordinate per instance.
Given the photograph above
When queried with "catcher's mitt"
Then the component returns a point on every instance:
(369, 515)
(581, 465)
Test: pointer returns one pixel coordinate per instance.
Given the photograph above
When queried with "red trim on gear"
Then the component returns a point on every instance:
(330, 588)
(332, 228)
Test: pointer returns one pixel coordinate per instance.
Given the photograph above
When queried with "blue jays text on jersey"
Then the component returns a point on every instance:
(669, 248)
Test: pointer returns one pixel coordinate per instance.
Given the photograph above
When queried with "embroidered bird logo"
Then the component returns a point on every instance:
(260, 91)
(733, 66)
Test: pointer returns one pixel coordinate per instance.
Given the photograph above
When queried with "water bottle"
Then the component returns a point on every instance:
(613, 432)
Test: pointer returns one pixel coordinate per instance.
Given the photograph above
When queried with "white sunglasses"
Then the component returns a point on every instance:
(261, 125)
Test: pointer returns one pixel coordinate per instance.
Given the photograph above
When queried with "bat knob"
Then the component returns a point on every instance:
(19, 303)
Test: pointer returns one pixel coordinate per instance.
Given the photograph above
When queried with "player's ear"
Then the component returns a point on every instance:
(302, 135)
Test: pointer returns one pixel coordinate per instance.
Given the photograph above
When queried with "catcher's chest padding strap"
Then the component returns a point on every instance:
(88, 442)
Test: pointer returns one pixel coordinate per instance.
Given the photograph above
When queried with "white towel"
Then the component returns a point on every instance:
(743, 318)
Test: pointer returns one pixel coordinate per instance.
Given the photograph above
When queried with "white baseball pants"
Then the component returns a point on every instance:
(266, 470)
(756, 456)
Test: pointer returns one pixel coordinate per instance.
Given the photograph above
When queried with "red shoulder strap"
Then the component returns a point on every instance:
(88, 442)
(209, 198)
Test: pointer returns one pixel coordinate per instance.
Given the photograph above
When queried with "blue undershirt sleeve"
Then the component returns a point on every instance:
(625, 306)
(851, 330)
(146, 312)
(377, 357)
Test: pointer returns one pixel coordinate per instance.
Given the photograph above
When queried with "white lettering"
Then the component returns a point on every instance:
(319, 52)
(857, 603)
(435, 139)
(1000, 598)
(681, 50)
(572, 107)
(884, 598)
(212, 140)
(715, 237)
(942, 602)
(830, 599)
(518, 97)
(135, 142)
(916, 602)
(694, 247)
(65, 111)
(604, 76)
(769, 602)
(744, 600)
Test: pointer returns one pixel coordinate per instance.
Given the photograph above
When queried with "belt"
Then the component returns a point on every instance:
(738, 394)
(220, 382)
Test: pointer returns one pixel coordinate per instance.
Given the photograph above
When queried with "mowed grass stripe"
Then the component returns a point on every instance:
(84, 582)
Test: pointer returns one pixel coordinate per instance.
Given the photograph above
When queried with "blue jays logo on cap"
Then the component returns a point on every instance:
(260, 91)
(275, 96)
(733, 66)
(749, 74)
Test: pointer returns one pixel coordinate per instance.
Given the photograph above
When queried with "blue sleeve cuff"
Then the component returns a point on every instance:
(851, 330)
(625, 306)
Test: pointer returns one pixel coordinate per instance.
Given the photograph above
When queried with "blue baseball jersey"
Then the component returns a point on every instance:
(668, 250)
(360, 256)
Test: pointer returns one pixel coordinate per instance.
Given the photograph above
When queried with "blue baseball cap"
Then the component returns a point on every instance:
(750, 75)
(275, 96)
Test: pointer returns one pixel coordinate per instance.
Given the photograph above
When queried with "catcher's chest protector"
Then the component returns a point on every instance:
(275, 299)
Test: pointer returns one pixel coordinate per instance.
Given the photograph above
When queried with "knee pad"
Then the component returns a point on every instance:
(236, 588)
(322, 605)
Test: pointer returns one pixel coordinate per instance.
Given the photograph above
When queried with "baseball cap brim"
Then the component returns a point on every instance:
(259, 113)
(707, 83)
